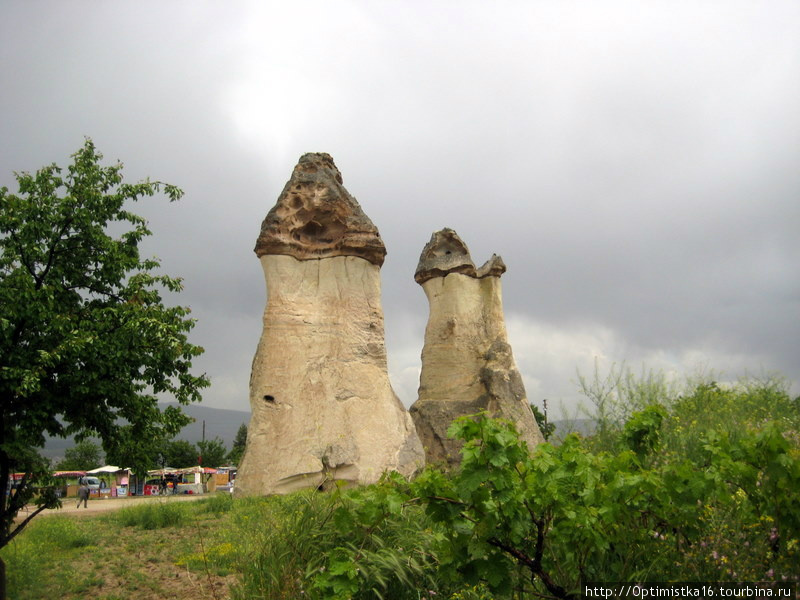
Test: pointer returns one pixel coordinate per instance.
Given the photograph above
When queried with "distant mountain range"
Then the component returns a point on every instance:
(224, 423)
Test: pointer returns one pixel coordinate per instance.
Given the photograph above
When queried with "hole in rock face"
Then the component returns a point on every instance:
(448, 252)
(270, 399)
(327, 232)
(312, 229)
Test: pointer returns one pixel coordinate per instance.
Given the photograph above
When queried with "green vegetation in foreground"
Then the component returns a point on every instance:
(702, 485)
(133, 552)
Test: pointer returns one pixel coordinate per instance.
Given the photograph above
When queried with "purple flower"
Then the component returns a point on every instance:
(773, 534)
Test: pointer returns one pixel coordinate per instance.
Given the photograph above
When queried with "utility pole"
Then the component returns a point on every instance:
(202, 443)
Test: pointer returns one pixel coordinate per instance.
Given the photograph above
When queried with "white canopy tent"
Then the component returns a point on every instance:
(105, 469)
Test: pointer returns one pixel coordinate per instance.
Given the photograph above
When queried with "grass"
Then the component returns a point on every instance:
(154, 515)
(136, 552)
(217, 548)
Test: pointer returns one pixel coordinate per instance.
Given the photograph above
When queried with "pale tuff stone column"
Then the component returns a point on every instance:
(323, 409)
(467, 363)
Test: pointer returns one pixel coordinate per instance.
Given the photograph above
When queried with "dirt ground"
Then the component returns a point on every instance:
(101, 505)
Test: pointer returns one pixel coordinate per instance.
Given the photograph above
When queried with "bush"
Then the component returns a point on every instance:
(362, 543)
(734, 410)
(547, 521)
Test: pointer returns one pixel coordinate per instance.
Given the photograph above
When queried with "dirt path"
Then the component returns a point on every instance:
(101, 505)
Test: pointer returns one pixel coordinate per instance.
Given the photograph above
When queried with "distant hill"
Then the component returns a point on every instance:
(219, 422)
(224, 423)
(564, 427)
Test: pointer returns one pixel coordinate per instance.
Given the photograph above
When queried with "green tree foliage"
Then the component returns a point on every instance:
(671, 500)
(179, 454)
(149, 450)
(546, 427)
(566, 515)
(212, 452)
(83, 456)
(87, 344)
(239, 442)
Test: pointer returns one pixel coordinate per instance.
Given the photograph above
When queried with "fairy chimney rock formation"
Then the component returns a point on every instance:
(467, 364)
(323, 410)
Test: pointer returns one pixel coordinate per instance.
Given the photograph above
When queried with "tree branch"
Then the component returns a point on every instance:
(52, 251)
(535, 564)
(21, 526)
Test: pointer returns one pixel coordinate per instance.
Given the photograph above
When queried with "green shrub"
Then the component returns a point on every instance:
(544, 522)
(735, 410)
(616, 396)
(361, 543)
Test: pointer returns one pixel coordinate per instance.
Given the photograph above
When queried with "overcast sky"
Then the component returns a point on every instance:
(634, 163)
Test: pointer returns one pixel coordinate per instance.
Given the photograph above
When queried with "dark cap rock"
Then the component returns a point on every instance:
(316, 217)
(447, 253)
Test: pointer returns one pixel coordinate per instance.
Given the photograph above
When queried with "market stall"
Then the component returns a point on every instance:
(113, 481)
(199, 479)
(161, 481)
(67, 489)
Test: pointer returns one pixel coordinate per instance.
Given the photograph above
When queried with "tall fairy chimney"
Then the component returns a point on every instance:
(323, 410)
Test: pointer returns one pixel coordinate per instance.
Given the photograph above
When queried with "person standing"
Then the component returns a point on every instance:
(83, 495)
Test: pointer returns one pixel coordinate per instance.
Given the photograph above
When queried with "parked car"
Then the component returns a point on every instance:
(92, 482)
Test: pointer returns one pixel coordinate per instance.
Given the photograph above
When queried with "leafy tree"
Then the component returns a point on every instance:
(83, 456)
(239, 442)
(546, 427)
(87, 344)
(212, 452)
(178, 453)
(150, 451)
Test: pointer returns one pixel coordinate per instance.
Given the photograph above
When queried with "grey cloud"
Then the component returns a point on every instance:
(635, 164)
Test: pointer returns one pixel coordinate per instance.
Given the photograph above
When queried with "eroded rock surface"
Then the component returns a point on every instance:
(323, 409)
(316, 217)
(467, 363)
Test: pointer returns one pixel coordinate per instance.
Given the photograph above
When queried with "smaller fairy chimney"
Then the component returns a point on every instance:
(467, 364)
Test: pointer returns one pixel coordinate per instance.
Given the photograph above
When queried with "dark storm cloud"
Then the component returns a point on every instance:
(635, 164)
